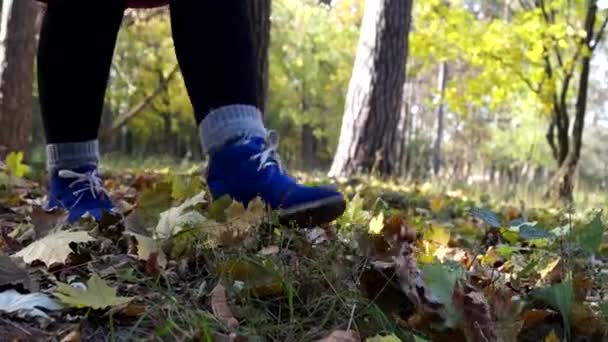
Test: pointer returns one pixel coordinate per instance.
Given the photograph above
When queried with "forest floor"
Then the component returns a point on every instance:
(405, 262)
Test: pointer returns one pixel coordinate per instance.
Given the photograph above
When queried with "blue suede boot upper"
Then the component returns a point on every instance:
(79, 191)
(250, 168)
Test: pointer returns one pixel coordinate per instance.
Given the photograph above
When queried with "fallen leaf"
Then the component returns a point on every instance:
(510, 213)
(221, 309)
(584, 319)
(256, 277)
(559, 297)
(436, 204)
(440, 281)
(14, 164)
(552, 337)
(73, 336)
(240, 219)
(152, 267)
(590, 236)
(270, 250)
(387, 338)
(487, 216)
(98, 295)
(176, 219)
(30, 305)
(133, 310)
(534, 316)
(376, 225)
(552, 271)
(146, 246)
(53, 248)
(438, 235)
(316, 236)
(341, 336)
(476, 315)
(11, 274)
(44, 220)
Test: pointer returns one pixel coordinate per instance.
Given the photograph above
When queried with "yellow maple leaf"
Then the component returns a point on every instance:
(98, 295)
(376, 225)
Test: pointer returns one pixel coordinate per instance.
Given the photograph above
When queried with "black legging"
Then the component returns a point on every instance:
(212, 41)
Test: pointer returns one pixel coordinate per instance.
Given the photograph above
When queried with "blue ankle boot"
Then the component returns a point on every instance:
(251, 167)
(79, 191)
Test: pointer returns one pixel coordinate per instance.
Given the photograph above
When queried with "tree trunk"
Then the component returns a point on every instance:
(308, 147)
(441, 84)
(259, 12)
(369, 133)
(562, 185)
(18, 30)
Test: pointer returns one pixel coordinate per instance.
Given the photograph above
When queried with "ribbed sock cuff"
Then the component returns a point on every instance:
(226, 123)
(72, 155)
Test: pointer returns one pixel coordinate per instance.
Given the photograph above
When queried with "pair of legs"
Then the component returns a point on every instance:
(214, 48)
(212, 42)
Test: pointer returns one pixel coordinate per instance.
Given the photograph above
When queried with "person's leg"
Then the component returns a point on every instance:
(214, 47)
(74, 56)
(215, 51)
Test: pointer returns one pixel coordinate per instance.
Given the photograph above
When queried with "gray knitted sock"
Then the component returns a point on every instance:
(72, 155)
(229, 122)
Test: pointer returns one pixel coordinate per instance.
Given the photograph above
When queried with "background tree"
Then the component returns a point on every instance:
(18, 30)
(369, 135)
(259, 14)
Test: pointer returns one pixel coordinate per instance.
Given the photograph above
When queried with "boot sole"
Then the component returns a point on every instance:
(313, 213)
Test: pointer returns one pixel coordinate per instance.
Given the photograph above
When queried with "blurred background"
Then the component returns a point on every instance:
(510, 93)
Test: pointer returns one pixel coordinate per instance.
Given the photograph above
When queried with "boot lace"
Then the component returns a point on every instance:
(90, 181)
(270, 155)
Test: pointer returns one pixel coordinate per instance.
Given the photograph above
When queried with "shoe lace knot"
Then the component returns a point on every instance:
(270, 155)
(90, 182)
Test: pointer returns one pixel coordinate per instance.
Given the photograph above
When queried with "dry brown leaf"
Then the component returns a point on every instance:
(270, 250)
(551, 273)
(341, 336)
(478, 322)
(73, 336)
(582, 285)
(534, 316)
(45, 221)
(11, 274)
(221, 309)
(133, 310)
(146, 246)
(53, 248)
(511, 213)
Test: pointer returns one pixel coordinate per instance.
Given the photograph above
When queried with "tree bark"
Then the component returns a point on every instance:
(259, 14)
(562, 185)
(308, 147)
(18, 31)
(370, 125)
(441, 84)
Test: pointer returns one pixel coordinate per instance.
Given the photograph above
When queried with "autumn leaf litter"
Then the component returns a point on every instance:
(403, 264)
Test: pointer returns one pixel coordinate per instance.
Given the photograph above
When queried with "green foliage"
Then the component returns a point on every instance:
(15, 165)
(560, 297)
(441, 280)
(311, 54)
(590, 236)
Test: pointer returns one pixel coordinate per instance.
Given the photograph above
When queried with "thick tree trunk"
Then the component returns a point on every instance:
(370, 126)
(18, 30)
(441, 84)
(562, 185)
(259, 12)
